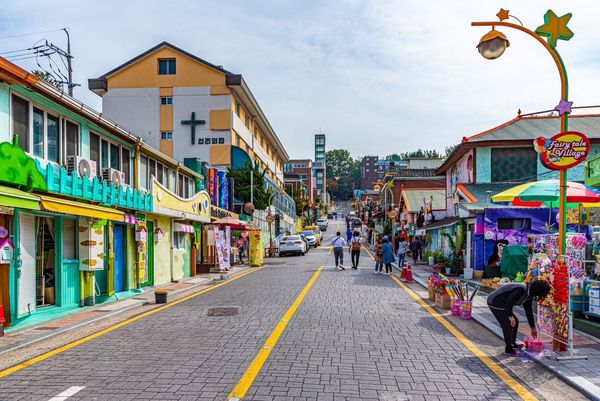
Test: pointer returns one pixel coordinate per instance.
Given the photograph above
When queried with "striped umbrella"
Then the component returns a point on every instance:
(547, 191)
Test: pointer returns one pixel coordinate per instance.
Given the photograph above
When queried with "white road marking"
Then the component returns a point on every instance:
(71, 391)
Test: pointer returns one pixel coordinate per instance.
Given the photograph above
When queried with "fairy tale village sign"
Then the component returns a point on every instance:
(562, 151)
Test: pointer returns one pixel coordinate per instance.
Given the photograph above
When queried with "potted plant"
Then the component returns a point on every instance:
(160, 296)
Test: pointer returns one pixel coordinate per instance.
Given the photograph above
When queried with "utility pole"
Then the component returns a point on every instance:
(69, 65)
(252, 186)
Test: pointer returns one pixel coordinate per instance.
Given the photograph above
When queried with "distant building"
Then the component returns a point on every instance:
(319, 169)
(418, 163)
(298, 179)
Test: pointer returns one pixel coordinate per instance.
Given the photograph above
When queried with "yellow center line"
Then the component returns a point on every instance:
(50, 354)
(517, 387)
(253, 370)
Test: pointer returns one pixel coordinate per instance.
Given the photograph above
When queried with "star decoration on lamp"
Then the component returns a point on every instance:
(503, 14)
(563, 107)
(555, 28)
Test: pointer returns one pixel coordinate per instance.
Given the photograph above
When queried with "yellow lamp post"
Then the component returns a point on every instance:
(493, 44)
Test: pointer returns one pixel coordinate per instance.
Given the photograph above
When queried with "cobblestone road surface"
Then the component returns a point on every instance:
(357, 336)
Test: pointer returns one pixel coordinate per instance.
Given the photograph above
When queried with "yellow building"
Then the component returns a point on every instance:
(189, 108)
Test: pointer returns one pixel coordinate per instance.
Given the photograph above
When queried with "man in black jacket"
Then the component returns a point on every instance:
(501, 303)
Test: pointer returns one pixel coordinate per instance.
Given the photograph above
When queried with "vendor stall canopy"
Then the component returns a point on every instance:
(547, 191)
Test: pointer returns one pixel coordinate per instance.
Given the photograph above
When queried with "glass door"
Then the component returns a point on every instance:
(45, 261)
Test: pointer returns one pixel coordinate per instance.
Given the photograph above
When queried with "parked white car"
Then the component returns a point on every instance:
(292, 244)
(322, 223)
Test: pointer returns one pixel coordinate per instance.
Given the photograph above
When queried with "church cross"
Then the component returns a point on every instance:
(193, 122)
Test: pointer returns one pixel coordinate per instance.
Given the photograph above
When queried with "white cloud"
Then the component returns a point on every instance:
(377, 77)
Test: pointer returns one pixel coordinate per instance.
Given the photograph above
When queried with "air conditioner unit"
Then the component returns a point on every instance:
(84, 167)
(113, 175)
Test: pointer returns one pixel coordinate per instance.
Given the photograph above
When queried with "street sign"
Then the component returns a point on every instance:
(562, 151)
(270, 218)
(392, 214)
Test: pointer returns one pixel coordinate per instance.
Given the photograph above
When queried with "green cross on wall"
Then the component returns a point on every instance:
(193, 122)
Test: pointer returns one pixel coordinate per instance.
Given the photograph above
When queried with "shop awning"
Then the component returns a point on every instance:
(131, 219)
(185, 228)
(12, 197)
(59, 205)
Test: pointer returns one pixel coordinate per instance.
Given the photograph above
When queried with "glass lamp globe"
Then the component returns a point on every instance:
(493, 44)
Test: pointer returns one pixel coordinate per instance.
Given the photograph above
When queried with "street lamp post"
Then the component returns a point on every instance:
(493, 44)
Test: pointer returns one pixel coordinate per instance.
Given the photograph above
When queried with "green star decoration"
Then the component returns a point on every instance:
(555, 28)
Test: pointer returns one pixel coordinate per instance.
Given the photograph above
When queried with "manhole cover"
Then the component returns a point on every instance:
(224, 311)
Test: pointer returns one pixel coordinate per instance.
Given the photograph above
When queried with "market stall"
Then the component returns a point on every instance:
(231, 242)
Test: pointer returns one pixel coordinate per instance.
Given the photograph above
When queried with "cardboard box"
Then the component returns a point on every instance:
(442, 301)
(431, 294)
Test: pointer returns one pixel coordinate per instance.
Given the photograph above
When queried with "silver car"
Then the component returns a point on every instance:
(310, 236)
(292, 244)
(322, 223)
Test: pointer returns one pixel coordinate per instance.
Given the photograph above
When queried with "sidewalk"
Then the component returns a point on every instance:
(581, 374)
(18, 338)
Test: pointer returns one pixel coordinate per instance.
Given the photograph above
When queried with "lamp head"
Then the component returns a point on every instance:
(493, 44)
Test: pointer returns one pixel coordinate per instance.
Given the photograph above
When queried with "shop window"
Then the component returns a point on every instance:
(166, 135)
(144, 172)
(20, 121)
(167, 67)
(115, 157)
(70, 239)
(179, 240)
(104, 154)
(514, 224)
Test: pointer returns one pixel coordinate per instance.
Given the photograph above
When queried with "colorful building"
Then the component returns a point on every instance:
(87, 210)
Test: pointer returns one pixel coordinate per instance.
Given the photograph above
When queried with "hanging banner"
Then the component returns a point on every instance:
(562, 151)
(227, 248)
(219, 249)
(255, 248)
(223, 190)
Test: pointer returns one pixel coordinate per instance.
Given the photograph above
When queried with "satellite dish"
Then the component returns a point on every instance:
(84, 168)
(116, 178)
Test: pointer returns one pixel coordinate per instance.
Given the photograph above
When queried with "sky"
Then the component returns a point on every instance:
(377, 77)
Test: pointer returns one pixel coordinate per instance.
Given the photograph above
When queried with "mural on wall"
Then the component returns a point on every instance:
(91, 244)
(460, 173)
(166, 202)
(18, 168)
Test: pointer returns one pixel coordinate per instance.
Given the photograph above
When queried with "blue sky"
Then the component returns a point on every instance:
(377, 77)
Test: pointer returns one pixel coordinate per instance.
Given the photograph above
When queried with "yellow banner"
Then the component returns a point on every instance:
(255, 248)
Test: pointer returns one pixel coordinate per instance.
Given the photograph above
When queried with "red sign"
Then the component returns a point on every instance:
(562, 151)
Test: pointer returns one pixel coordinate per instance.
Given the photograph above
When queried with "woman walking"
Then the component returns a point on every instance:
(388, 255)
(402, 249)
(378, 256)
(355, 244)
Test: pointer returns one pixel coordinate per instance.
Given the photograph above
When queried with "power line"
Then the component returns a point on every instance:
(28, 34)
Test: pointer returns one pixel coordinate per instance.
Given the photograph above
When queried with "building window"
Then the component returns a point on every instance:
(72, 139)
(38, 132)
(151, 169)
(115, 157)
(125, 164)
(247, 121)
(159, 173)
(95, 151)
(166, 67)
(166, 100)
(166, 135)
(144, 172)
(104, 154)
(180, 186)
(238, 109)
(20, 121)
(52, 137)
(509, 164)
(179, 240)
(514, 224)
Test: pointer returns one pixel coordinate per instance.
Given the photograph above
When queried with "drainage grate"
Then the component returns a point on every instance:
(223, 311)
(47, 328)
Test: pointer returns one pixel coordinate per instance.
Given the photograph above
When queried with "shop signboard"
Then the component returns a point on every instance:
(218, 213)
(562, 151)
(227, 248)
(219, 248)
(256, 248)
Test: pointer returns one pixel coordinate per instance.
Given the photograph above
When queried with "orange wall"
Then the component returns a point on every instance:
(144, 73)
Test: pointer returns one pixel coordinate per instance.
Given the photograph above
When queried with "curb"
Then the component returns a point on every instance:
(566, 374)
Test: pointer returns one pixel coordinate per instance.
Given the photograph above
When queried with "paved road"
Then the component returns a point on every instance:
(356, 336)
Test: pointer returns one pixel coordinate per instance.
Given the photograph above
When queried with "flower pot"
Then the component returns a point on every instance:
(467, 273)
(160, 297)
(478, 274)
(431, 261)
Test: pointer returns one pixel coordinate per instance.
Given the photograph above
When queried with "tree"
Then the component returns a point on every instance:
(421, 154)
(242, 185)
(449, 150)
(395, 157)
(47, 77)
(345, 170)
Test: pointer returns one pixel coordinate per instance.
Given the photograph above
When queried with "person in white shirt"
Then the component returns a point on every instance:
(338, 244)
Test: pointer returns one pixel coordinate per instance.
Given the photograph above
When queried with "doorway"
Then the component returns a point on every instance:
(147, 278)
(45, 261)
(119, 247)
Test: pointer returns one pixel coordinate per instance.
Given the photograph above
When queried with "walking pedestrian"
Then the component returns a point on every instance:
(388, 255)
(415, 248)
(378, 256)
(338, 244)
(396, 241)
(501, 303)
(355, 244)
(348, 234)
(402, 249)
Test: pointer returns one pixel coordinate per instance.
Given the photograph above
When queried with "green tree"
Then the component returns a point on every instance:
(242, 184)
(449, 150)
(344, 169)
(421, 154)
(393, 157)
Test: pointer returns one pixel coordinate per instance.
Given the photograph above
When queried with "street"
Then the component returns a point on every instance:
(355, 336)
